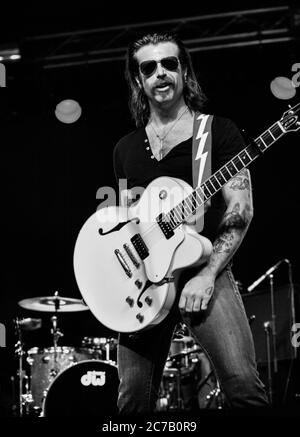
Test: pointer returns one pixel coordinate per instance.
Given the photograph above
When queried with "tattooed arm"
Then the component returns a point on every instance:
(233, 227)
(235, 222)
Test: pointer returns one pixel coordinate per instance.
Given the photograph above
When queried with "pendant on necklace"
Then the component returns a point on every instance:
(161, 148)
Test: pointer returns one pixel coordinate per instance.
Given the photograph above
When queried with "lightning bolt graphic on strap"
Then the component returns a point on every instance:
(200, 154)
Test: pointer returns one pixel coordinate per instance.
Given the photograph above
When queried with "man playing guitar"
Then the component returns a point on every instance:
(164, 100)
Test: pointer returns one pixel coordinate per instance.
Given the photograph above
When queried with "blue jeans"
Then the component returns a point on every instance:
(224, 334)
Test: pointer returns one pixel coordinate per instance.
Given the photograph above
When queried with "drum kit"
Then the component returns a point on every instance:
(67, 380)
(64, 380)
(188, 382)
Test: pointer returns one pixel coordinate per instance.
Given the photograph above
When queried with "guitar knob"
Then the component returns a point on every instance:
(140, 317)
(130, 301)
(138, 283)
(148, 300)
(163, 194)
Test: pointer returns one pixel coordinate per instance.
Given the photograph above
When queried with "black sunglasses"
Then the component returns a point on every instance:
(170, 63)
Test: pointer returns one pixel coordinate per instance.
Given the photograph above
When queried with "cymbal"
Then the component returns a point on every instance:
(53, 304)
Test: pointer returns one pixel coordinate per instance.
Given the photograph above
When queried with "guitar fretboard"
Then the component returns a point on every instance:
(211, 186)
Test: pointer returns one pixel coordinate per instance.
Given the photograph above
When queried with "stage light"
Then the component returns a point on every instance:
(68, 111)
(283, 88)
(9, 54)
(14, 57)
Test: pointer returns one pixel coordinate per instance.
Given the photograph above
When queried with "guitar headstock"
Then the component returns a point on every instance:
(290, 120)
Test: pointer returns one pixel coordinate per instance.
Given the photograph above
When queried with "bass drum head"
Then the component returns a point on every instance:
(88, 388)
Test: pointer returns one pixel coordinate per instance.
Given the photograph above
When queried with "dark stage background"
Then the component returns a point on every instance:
(51, 171)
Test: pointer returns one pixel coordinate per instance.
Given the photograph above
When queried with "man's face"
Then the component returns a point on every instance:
(163, 82)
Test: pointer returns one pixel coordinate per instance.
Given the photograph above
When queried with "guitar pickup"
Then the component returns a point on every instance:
(165, 226)
(140, 246)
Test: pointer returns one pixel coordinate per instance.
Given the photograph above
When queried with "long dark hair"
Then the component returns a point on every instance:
(138, 103)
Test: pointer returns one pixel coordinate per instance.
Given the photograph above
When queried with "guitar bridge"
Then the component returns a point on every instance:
(123, 263)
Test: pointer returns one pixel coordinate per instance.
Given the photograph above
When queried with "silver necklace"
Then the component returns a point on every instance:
(161, 139)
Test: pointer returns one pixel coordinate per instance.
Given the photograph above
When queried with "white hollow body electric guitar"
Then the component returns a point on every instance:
(127, 260)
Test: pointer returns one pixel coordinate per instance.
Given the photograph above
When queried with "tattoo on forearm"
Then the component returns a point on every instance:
(224, 243)
(239, 183)
(209, 291)
(244, 172)
(235, 219)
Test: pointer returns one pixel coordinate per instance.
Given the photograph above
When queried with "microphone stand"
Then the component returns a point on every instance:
(270, 331)
(293, 312)
(271, 327)
(270, 377)
(294, 348)
(19, 351)
(273, 318)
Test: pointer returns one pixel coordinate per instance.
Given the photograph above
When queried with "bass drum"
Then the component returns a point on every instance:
(46, 364)
(88, 388)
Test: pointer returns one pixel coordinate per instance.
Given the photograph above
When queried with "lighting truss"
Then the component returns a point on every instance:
(220, 31)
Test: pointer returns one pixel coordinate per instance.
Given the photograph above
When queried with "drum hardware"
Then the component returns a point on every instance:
(188, 380)
(110, 346)
(182, 345)
(178, 368)
(57, 334)
(14, 408)
(170, 398)
(185, 354)
(24, 395)
(29, 324)
(102, 346)
(215, 394)
(181, 330)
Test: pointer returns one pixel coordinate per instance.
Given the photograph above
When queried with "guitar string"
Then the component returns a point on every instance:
(189, 214)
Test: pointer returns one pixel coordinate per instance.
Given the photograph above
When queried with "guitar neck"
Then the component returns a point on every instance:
(211, 186)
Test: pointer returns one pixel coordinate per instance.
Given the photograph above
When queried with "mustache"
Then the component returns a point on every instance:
(162, 82)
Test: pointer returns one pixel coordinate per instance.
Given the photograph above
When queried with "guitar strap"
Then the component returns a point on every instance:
(201, 157)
